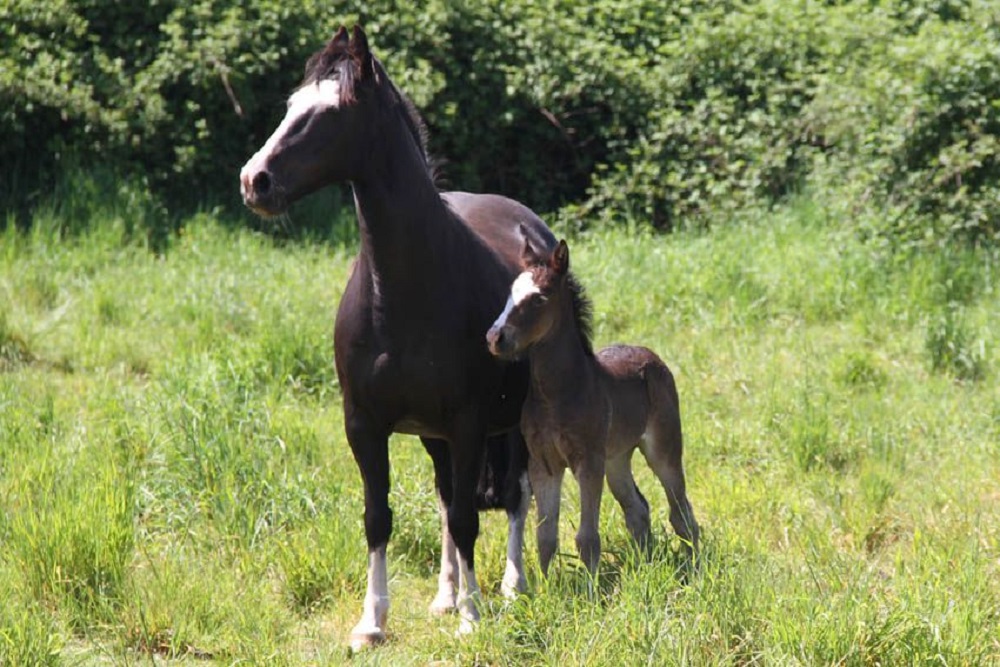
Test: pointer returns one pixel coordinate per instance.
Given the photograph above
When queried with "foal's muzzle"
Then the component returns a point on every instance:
(500, 342)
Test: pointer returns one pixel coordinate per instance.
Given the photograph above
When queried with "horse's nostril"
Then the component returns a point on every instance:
(261, 183)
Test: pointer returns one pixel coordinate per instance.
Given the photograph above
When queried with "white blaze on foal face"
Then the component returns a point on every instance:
(523, 287)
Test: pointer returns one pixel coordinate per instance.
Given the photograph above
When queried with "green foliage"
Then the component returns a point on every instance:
(314, 569)
(71, 519)
(620, 110)
(917, 135)
(953, 347)
(169, 491)
(27, 635)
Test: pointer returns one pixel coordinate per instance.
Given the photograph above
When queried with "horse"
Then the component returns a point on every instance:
(588, 411)
(432, 270)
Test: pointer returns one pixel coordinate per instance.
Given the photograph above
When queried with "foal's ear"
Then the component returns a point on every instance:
(359, 49)
(560, 258)
(529, 255)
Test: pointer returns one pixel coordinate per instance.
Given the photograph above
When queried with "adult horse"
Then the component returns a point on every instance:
(432, 271)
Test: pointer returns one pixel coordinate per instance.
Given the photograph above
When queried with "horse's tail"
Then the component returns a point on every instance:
(505, 463)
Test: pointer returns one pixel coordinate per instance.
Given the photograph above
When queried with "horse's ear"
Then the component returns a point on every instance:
(529, 255)
(560, 258)
(359, 49)
(340, 38)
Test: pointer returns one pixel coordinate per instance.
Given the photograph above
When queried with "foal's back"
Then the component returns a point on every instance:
(643, 397)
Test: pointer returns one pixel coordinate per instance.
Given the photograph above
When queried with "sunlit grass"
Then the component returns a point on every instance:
(175, 482)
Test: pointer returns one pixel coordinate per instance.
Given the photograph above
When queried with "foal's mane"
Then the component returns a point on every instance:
(335, 57)
(583, 313)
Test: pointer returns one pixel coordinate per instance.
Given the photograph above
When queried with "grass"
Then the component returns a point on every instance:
(175, 485)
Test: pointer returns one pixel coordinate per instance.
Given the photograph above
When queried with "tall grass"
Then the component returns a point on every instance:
(175, 483)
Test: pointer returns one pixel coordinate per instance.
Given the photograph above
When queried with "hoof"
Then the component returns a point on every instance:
(468, 611)
(513, 587)
(466, 627)
(362, 639)
(443, 605)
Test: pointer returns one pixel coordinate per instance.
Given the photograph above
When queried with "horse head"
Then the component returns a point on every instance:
(321, 139)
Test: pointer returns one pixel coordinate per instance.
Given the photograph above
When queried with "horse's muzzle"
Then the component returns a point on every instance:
(260, 193)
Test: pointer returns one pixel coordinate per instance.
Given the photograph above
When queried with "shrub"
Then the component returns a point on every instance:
(616, 111)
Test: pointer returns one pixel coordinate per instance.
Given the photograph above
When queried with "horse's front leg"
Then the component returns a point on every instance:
(444, 601)
(589, 475)
(467, 447)
(370, 446)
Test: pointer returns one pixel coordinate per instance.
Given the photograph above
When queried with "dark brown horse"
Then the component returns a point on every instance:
(588, 411)
(432, 272)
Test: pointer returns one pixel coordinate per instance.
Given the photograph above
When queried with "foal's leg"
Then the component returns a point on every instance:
(444, 601)
(589, 475)
(370, 446)
(547, 489)
(662, 448)
(633, 504)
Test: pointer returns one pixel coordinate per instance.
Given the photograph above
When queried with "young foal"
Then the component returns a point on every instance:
(588, 411)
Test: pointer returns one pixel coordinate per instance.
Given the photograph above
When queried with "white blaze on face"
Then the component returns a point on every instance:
(323, 94)
(523, 287)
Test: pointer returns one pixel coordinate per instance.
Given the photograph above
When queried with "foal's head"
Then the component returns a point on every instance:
(331, 127)
(544, 298)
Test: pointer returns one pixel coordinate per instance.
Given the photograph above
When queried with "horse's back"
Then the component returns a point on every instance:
(498, 221)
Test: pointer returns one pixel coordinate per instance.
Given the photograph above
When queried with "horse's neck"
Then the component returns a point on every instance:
(400, 211)
(559, 363)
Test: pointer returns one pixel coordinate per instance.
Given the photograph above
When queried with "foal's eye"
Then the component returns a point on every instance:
(537, 299)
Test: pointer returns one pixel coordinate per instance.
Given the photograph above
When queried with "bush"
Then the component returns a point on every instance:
(616, 110)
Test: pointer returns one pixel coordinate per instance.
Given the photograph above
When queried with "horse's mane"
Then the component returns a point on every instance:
(583, 313)
(414, 122)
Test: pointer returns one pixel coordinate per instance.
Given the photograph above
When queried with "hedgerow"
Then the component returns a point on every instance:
(598, 112)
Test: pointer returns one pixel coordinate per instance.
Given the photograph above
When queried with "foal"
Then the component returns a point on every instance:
(588, 411)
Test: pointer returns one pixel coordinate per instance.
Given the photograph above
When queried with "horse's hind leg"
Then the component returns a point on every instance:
(517, 498)
(467, 448)
(547, 489)
(619, 473)
(444, 601)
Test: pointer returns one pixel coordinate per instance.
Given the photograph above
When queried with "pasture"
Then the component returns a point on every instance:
(175, 485)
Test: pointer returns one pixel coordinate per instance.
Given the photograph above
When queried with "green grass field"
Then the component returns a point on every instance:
(175, 485)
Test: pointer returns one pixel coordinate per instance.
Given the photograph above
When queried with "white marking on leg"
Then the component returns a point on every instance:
(469, 597)
(370, 629)
(514, 581)
(444, 601)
